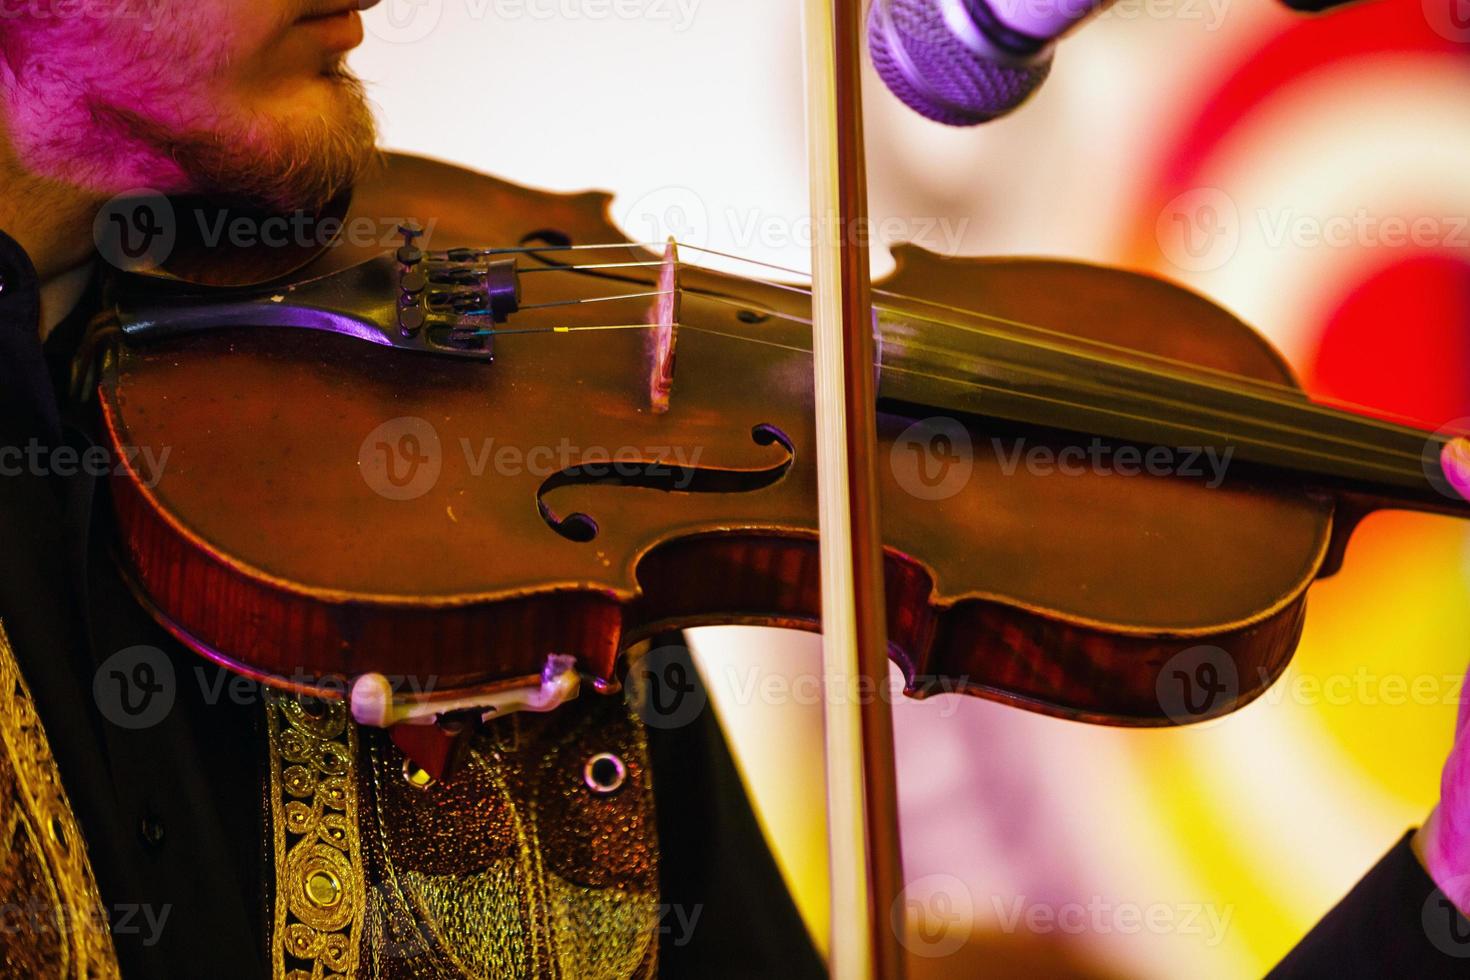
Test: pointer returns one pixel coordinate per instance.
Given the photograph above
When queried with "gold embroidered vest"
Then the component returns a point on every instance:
(539, 859)
(54, 923)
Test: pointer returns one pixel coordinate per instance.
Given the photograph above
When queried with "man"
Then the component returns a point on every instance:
(205, 839)
(203, 843)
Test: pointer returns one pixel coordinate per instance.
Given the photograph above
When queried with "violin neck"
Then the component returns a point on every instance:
(1139, 399)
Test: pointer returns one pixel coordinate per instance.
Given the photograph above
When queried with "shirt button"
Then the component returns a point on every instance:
(150, 830)
(2, 283)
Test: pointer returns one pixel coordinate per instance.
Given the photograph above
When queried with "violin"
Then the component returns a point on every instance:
(469, 473)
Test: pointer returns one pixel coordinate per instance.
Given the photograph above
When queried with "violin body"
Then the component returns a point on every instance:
(330, 507)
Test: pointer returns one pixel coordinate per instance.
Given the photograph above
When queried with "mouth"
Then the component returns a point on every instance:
(334, 8)
(336, 23)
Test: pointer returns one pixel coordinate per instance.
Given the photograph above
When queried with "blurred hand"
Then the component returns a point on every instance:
(1443, 843)
(1455, 461)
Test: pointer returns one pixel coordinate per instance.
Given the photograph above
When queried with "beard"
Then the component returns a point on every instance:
(270, 164)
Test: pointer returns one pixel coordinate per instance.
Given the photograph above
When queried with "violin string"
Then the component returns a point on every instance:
(572, 328)
(1219, 434)
(1292, 395)
(595, 299)
(1287, 427)
(1179, 371)
(1163, 402)
(526, 249)
(1278, 392)
(1172, 370)
(1215, 433)
(1299, 404)
(1289, 396)
(982, 386)
(588, 266)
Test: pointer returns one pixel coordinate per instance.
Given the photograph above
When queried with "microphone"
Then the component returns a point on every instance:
(963, 62)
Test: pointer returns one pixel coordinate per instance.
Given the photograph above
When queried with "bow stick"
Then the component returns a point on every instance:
(862, 802)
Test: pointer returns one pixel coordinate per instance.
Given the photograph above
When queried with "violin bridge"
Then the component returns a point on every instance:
(663, 338)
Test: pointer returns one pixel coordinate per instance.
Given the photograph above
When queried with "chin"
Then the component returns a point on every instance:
(296, 151)
(330, 97)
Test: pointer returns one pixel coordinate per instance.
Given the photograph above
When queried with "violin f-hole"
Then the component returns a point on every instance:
(662, 475)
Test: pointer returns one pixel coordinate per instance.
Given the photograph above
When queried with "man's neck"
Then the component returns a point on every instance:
(51, 221)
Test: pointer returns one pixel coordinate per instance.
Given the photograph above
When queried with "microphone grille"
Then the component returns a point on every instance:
(924, 63)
